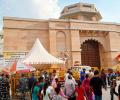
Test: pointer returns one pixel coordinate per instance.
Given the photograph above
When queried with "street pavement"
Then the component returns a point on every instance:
(106, 94)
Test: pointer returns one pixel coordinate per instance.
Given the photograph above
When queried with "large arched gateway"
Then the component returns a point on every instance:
(90, 54)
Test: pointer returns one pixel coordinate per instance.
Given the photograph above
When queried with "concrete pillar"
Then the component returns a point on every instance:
(75, 46)
(52, 39)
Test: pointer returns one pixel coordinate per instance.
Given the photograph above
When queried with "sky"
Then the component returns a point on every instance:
(45, 9)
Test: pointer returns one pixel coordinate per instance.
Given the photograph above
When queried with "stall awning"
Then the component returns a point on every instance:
(38, 55)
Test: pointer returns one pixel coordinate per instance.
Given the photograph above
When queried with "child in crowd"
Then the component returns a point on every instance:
(79, 91)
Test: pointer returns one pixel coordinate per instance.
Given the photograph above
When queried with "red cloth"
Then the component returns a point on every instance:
(80, 93)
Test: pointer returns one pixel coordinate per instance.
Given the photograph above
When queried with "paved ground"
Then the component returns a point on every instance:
(106, 94)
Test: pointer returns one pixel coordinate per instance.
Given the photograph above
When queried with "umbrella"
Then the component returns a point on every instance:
(19, 67)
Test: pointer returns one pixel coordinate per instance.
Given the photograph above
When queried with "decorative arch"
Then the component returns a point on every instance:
(60, 41)
(101, 42)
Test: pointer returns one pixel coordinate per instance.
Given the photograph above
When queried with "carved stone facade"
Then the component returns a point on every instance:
(64, 36)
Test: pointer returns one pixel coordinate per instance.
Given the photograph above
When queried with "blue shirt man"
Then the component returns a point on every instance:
(82, 75)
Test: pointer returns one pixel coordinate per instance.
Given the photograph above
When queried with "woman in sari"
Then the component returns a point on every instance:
(87, 89)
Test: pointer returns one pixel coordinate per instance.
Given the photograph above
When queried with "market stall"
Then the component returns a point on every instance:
(16, 69)
(40, 58)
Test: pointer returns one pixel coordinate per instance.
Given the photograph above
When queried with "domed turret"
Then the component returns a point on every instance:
(81, 11)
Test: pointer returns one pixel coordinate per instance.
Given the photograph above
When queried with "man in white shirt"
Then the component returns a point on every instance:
(91, 74)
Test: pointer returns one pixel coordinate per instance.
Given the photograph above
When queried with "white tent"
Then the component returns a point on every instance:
(38, 55)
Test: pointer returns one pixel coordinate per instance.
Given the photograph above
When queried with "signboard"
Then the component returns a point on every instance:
(1, 61)
(76, 63)
(10, 57)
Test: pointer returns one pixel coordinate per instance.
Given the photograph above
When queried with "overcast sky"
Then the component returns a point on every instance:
(44, 9)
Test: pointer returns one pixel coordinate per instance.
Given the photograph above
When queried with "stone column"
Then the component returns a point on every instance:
(112, 48)
(75, 46)
(52, 39)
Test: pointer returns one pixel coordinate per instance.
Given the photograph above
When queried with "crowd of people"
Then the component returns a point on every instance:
(4, 87)
(48, 86)
(89, 87)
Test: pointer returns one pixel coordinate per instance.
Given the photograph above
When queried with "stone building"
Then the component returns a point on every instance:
(77, 36)
(1, 44)
(1, 48)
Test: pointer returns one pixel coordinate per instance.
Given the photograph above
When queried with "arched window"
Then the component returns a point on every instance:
(61, 41)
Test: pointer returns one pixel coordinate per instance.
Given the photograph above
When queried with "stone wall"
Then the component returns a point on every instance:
(20, 34)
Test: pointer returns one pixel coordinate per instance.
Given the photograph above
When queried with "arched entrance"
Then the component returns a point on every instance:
(90, 54)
